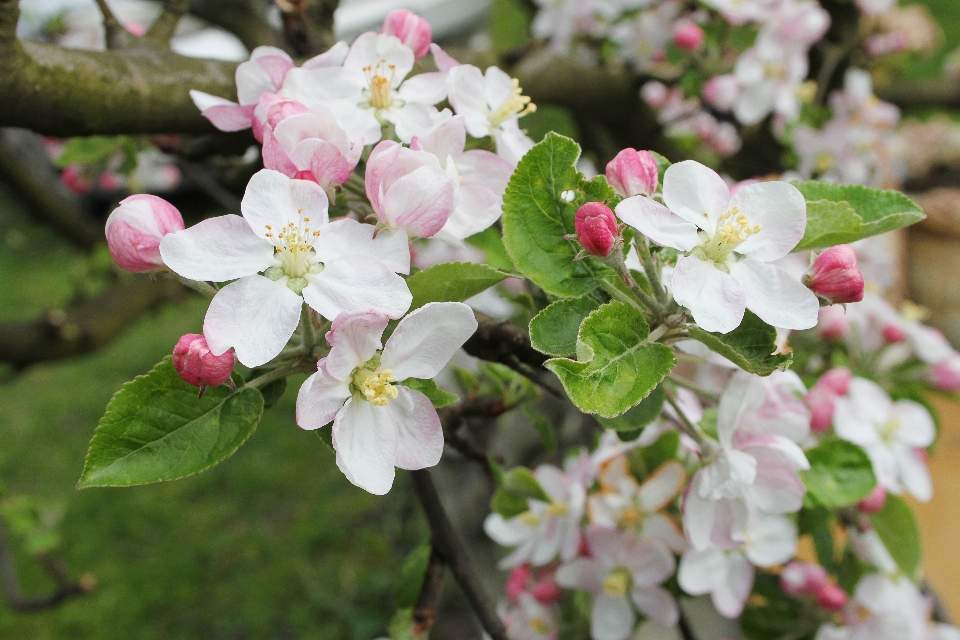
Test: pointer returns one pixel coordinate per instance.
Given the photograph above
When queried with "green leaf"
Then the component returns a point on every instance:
(750, 346)
(509, 25)
(897, 527)
(452, 282)
(535, 219)
(616, 365)
(639, 416)
(547, 118)
(90, 150)
(410, 578)
(544, 429)
(517, 486)
(838, 214)
(554, 330)
(155, 428)
(840, 474)
(645, 460)
(429, 388)
(491, 243)
(662, 164)
(326, 436)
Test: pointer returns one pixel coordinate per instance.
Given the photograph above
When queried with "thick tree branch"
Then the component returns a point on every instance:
(935, 92)
(453, 553)
(86, 325)
(66, 588)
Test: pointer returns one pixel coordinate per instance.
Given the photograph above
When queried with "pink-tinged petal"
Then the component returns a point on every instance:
(254, 315)
(917, 428)
(425, 340)
(324, 160)
(716, 299)
(135, 229)
(447, 140)
(655, 221)
(349, 237)
(258, 75)
(412, 119)
(420, 435)
(477, 209)
(611, 619)
(780, 210)
(366, 442)
(776, 451)
(731, 597)
(776, 490)
(657, 604)
(332, 57)
(695, 193)
(915, 475)
(658, 490)
(223, 114)
(442, 59)
(650, 562)
(582, 573)
(356, 283)
(354, 338)
(421, 202)
(772, 541)
(742, 394)
(276, 67)
(319, 122)
(274, 157)
(272, 201)
(382, 158)
(320, 398)
(664, 528)
(484, 169)
(774, 295)
(700, 571)
(217, 249)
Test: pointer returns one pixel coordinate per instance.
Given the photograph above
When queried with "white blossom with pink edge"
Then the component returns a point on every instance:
(622, 568)
(529, 619)
(888, 608)
(548, 529)
(491, 104)
(730, 245)
(769, 74)
(482, 177)
(286, 236)
(372, 89)
(727, 575)
(894, 435)
(755, 471)
(378, 424)
(409, 190)
(135, 229)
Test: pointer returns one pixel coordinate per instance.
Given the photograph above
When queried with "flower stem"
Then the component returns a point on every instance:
(700, 391)
(707, 446)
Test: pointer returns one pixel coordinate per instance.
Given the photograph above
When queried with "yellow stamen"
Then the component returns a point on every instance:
(515, 106)
(616, 583)
(733, 228)
(380, 84)
(376, 387)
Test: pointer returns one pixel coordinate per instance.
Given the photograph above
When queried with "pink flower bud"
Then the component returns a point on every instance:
(803, 577)
(135, 228)
(305, 174)
(74, 179)
(655, 94)
(722, 92)
(517, 582)
(413, 31)
(633, 173)
(893, 333)
(109, 181)
(945, 375)
(832, 322)
(831, 597)
(197, 365)
(835, 277)
(546, 591)
(688, 35)
(596, 227)
(873, 502)
(836, 380)
(135, 28)
(821, 409)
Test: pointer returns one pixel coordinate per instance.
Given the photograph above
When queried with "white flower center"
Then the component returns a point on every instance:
(293, 247)
(733, 228)
(888, 430)
(375, 385)
(616, 583)
(515, 106)
(379, 93)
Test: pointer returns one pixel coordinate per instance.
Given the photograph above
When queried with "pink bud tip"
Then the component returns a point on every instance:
(135, 228)
(836, 380)
(688, 35)
(803, 577)
(413, 31)
(546, 591)
(304, 174)
(596, 227)
(894, 333)
(945, 375)
(135, 28)
(74, 180)
(197, 365)
(834, 275)
(922, 454)
(873, 502)
(821, 410)
(831, 597)
(633, 173)
(517, 582)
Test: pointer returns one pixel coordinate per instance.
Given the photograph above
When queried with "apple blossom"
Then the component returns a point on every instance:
(622, 568)
(135, 228)
(378, 424)
(799, 578)
(643, 38)
(196, 364)
(530, 619)
(945, 374)
(739, 12)
(892, 433)
(769, 74)
(729, 245)
(596, 228)
(722, 92)
(873, 502)
(834, 276)
(822, 396)
(285, 252)
(411, 29)
(831, 597)
(633, 173)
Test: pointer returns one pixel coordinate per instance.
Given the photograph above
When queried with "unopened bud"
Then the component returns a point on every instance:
(834, 276)
(836, 380)
(873, 502)
(546, 591)
(596, 227)
(945, 375)
(831, 597)
(413, 31)
(722, 92)
(688, 35)
(832, 322)
(822, 407)
(517, 582)
(894, 333)
(197, 365)
(803, 578)
(135, 228)
(655, 93)
(633, 173)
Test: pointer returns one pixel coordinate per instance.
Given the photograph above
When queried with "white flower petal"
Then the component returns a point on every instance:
(357, 283)
(365, 437)
(915, 475)
(695, 193)
(255, 316)
(274, 200)
(425, 340)
(916, 424)
(714, 298)
(419, 433)
(701, 570)
(655, 221)
(420, 201)
(662, 486)
(611, 619)
(216, 249)
(354, 339)
(425, 88)
(320, 398)
(582, 573)
(781, 211)
(349, 237)
(774, 295)
(772, 541)
(730, 598)
(657, 604)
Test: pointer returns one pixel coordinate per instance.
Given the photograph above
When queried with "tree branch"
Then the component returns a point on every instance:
(453, 553)
(66, 588)
(428, 602)
(85, 326)
(938, 92)
(502, 341)
(166, 24)
(246, 19)
(117, 37)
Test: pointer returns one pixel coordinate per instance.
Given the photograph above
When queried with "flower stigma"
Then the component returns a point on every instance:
(515, 106)
(733, 228)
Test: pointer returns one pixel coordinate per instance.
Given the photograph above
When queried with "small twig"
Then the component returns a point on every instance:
(707, 447)
(700, 391)
(428, 602)
(452, 416)
(684, 628)
(453, 553)
(117, 36)
(166, 24)
(502, 341)
(12, 593)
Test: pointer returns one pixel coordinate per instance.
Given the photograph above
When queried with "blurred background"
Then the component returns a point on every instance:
(274, 543)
